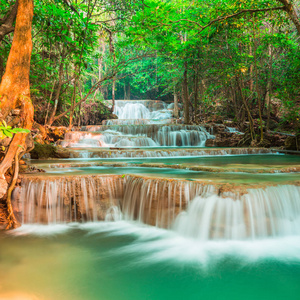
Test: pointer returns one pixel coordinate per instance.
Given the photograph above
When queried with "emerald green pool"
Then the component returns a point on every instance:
(220, 160)
(126, 261)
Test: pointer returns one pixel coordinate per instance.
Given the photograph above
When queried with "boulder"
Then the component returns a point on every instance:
(49, 151)
(293, 142)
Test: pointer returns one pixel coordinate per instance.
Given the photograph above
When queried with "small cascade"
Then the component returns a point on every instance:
(66, 199)
(152, 135)
(261, 213)
(233, 130)
(158, 201)
(135, 153)
(142, 109)
(192, 208)
(132, 111)
(77, 139)
(140, 123)
(185, 136)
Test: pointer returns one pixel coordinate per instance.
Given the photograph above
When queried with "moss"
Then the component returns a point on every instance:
(48, 151)
(43, 151)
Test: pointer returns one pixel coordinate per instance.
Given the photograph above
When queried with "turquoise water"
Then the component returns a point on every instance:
(123, 261)
(221, 160)
(234, 177)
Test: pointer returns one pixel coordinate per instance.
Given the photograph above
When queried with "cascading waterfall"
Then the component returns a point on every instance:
(67, 199)
(141, 123)
(194, 209)
(187, 136)
(132, 111)
(152, 135)
(142, 109)
(233, 130)
(261, 213)
(139, 153)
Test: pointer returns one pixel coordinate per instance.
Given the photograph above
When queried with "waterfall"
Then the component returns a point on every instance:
(66, 199)
(233, 130)
(261, 213)
(132, 111)
(158, 201)
(194, 209)
(140, 123)
(182, 136)
(150, 135)
(137, 153)
(141, 109)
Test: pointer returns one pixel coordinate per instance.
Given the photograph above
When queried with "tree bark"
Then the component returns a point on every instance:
(57, 94)
(257, 87)
(6, 24)
(269, 85)
(175, 110)
(186, 96)
(291, 11)
(15, 88)
(196, 93)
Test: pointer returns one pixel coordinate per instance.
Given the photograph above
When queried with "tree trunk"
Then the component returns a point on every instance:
(196, 94)
(128, 91)
(6, 24)
(112, 52)
(100, 63)
(185, 96)
(57, 95)
(175, 111)
(15, 88)
(257, 87)
(73, 101)
(269, 85)
(291, 11)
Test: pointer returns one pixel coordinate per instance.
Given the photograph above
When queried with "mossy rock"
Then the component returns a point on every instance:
(293, 142)
(48, 151)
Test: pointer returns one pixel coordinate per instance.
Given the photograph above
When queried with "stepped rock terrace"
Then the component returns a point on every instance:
(158, 201)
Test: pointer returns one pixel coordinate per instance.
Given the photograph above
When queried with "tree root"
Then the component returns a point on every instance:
(11, 219)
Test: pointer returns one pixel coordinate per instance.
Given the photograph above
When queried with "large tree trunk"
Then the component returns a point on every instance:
(15, 91)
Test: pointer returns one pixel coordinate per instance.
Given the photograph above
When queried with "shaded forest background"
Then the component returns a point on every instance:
(237, 60)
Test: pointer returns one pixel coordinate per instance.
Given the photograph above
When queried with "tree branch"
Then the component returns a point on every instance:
(6, 24)
(219, 19)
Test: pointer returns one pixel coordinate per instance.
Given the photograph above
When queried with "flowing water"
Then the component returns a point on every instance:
(141, 123)
(144, 211)
(121, 260)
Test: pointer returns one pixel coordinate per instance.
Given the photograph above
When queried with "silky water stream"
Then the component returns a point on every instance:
(139, 227)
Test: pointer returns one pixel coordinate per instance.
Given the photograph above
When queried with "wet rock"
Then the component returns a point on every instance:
(49, 151)
(62, 152)
(293, 142)
(56, 133)
(225, 139)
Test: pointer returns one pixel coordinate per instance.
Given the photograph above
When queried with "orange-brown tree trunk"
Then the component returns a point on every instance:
(15, 90)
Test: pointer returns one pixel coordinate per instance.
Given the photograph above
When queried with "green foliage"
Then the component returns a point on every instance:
(8, 131)
(148, 44)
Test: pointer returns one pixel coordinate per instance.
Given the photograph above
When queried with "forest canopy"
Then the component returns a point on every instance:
(236, 60)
